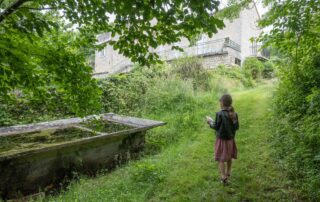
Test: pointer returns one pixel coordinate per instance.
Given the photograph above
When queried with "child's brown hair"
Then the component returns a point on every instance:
(226, 100)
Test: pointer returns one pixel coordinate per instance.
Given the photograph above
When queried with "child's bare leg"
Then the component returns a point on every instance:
(229, 163)
(222, 169)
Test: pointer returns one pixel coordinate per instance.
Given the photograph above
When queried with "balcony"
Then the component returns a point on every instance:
(207, 48)
(258, 51)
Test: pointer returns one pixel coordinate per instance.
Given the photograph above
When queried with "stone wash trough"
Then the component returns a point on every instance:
(37, 157)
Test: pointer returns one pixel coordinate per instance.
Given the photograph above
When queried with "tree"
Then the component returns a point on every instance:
(295, 27)
(39, 50)
(173, 20)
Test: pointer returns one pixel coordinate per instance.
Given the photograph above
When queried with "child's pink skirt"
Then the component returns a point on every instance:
(225, 150)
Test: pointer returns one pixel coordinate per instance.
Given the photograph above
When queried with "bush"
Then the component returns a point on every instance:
(192, 68)
(5, 117)
(268, 70)
(123, 93)
(172, 100)
(168, 95)
(252, 67)
(26, 108)
(296, 125)
(234, 74)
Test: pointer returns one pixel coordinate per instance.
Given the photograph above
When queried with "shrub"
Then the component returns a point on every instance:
(168, 95)
(5, 118)
(191, 68)
(26, 108)
(296, 136)
(123, 93)
(268, 70)
(234, 74)
(252, 67)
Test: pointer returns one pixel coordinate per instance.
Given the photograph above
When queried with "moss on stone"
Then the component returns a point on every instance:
(104, 126)
(38, 139)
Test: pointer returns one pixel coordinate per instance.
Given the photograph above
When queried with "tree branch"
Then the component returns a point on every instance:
(11, 9)
(39, 9)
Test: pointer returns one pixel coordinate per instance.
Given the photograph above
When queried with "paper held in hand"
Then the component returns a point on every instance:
(209, 118)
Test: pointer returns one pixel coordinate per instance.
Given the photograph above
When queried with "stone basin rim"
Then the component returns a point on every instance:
(71, 143)
(65, 123)
(101, 135)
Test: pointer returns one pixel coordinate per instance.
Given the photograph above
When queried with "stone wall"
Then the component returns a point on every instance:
(228, 57)
(214, 60)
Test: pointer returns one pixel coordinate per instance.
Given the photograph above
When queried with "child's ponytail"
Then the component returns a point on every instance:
(226, 100)
(231, 112)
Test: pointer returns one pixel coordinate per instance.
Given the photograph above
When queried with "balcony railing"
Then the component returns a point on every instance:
(259, 51)
(200, 49)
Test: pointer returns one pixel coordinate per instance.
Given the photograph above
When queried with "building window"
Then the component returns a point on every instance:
(102, 38)
(237, 61)
(102, 53)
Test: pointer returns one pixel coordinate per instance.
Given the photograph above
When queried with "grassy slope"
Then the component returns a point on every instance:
(186, 171)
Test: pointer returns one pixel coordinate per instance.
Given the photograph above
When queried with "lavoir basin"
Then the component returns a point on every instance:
(35, 157)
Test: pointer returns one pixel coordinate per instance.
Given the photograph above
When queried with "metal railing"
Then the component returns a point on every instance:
(232, 44)
(258, 51)
(200, 49)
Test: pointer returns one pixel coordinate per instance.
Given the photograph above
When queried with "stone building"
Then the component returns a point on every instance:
(229, 46)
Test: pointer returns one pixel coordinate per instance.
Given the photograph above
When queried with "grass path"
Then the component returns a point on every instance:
(186, 170)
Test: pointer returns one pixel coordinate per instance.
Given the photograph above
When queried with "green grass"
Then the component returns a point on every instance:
(186, 171)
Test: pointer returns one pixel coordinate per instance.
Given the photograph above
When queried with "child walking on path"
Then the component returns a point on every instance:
(225, 124)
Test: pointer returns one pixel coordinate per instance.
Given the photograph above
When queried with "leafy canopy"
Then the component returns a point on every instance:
(139, 24)
(43, 42)
(295, 27)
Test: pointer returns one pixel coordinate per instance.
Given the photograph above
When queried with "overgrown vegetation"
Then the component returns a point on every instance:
(253, 67)
(147, 92)
(160, 89)
(185, 170)
(296, 136)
